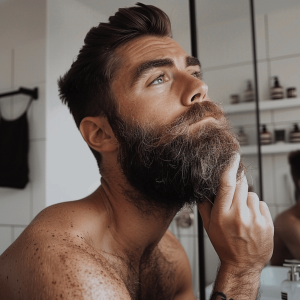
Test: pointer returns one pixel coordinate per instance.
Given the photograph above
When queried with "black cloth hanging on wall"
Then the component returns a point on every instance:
(14, 147)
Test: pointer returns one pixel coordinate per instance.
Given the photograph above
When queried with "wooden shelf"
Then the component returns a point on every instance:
(270, 149)
(263, 105)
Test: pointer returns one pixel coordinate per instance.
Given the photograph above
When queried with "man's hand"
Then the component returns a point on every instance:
(241, 230)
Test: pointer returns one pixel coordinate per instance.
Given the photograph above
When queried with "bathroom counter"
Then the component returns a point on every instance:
(270, 283)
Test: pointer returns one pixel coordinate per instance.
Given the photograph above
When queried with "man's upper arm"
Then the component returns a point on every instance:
(183, 269)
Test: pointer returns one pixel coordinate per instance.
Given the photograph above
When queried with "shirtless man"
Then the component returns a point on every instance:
(287, 224)
(160, 143)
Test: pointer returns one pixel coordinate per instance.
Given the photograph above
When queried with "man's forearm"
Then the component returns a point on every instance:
(235, 284)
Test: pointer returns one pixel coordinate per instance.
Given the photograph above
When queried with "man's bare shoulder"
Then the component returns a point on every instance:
(52, 260)
(286, 220)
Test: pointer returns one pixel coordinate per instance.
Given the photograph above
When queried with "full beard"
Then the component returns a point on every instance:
(177, 164)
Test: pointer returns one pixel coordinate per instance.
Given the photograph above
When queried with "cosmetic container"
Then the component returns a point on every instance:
(290, 288)
(291, 92)
(249, 93)
(235, 99)
(294, 136)
(242, 137)
(265, 136)
(277, 90)
(279, 136)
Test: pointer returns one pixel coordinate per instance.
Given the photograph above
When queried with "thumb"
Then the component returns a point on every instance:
(205, 212)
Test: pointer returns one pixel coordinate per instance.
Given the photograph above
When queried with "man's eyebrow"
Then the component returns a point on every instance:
(148, 65)
(192, 61)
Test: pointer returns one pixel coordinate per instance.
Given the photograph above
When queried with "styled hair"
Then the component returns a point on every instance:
(294, 161)
(86, 87)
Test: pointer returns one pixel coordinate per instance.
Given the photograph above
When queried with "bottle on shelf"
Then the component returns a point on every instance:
(249, 93)
(277, 90)
(290, 288)
(291, 92)
(242, 137)
(279, 136)
(295, 134)
(265, 136)
(235, 99)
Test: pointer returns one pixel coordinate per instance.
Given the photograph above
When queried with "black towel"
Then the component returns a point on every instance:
(14, 146)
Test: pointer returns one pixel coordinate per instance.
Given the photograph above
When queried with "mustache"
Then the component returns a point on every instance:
(181, 125)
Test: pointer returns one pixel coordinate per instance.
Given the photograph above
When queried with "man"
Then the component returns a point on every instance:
(160, 143)
(287, 224)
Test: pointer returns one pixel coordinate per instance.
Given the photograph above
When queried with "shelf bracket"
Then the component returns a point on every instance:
(33, 93)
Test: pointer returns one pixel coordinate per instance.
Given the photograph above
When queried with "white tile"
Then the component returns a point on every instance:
(263, 81)
(268, 179)
(273, 211)
(15, 206)
(265, 117)
(37, 162)
(229, 42)
(288, 72)
(288, 115)
(284, 189)
(190, 245)
(211, 261)
(22, 22)
(242, 119)
(284, 27)
(282, 208)
(30, 63)
(17, 230)
(5, 69)
(36, 113)
(5, 238)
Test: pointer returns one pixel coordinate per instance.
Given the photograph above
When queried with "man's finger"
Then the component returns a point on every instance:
(205, 212)
(227, 186)
(241, 193)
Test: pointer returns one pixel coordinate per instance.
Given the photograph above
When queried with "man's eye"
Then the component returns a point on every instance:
(198, 74)
(158, 80)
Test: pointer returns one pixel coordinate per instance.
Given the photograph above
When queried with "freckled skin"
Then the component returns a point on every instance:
(102, 246)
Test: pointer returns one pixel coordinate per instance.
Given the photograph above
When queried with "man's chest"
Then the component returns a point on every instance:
(155, 278)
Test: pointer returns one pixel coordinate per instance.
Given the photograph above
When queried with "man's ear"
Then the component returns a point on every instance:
(98, 134)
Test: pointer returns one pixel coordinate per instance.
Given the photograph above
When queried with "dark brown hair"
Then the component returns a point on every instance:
(86, 87)
(294, 161)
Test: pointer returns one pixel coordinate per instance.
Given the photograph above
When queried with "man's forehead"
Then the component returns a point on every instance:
(148, 48)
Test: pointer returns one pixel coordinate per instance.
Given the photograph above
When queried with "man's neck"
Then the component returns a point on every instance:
(127, 232)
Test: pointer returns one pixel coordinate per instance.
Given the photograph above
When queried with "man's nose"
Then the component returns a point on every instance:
(196, 91)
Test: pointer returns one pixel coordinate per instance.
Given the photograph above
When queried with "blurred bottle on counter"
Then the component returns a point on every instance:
(279, 136)
(295, 134)
(249, 93)
(277, 90)
(291, 92)
(242, 137)
(235, 99)
(265, 136)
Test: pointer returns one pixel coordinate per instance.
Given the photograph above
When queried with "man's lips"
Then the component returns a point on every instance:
(203, 121)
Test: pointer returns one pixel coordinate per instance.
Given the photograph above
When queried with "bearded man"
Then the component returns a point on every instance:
(160, 143)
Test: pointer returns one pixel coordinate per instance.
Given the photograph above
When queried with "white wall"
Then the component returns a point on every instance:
(226, 57)
(71, 171)
(22, 63)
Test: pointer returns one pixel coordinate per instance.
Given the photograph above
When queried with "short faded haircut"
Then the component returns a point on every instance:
(86, 87)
